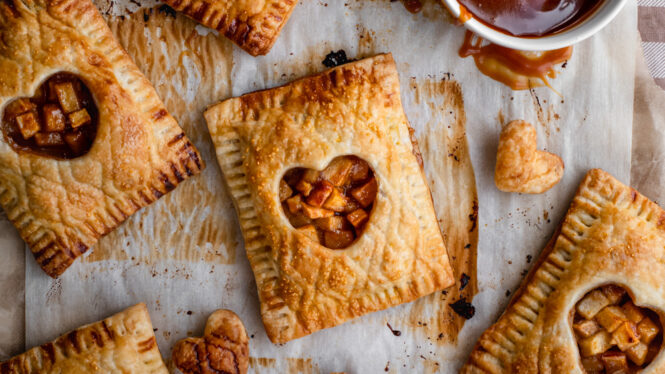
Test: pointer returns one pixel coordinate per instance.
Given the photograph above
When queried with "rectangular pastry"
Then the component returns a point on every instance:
(122, 343)
(594, 301)
(86, 141)
(331, 197)
(253, 25)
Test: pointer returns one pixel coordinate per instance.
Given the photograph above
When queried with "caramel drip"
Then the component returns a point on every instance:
(464, 14)
(518, 70)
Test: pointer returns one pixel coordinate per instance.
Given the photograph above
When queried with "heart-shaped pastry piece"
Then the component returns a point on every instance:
(332, 206)
(224, 347)
(520, 167)
(613, 334)
(59, 121)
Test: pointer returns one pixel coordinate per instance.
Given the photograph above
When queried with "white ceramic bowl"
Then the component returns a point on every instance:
(591, 25)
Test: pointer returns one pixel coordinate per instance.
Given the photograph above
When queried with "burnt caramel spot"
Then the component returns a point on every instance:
(613, 334)
(60, 120)
(332, 206)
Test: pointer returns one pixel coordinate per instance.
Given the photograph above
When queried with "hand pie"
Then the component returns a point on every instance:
(224, 348)
(86, 141)
(253, 25)
(337, 217)
(594, 302)
(123, 343)
(520, 167)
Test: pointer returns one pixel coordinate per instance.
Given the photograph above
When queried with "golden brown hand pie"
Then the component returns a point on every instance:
(123, 343)
(224, 347)
(520, 167)
(253, 25)
(86, 141)
(594, 302)
(352, 110)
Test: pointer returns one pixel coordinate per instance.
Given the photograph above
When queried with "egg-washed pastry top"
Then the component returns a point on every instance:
(336, 214)
(86, 141)
(594, 302)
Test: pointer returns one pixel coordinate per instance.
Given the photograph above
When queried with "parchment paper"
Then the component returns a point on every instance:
(155, 258)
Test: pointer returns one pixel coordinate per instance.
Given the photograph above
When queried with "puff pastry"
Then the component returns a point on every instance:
(611, 241)
(354, 109)
(123, 343)
(253, 25)
(223, 348)
(61, 207)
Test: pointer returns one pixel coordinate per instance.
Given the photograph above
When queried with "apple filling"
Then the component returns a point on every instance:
(60, 120)
(332, 206)
(613, 334)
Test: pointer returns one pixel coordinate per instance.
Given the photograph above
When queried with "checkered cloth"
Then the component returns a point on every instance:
(652, 28)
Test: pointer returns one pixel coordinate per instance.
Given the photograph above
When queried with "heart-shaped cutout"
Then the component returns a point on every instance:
(59, 121)
(520, 167)
(613, 334)
(331, 206)
(224, 347)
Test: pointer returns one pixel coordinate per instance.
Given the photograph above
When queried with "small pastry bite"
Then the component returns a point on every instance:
(327, 187)
(253, 25)
(594, 303)
(224, 347)
(520, 167)
(122, 343)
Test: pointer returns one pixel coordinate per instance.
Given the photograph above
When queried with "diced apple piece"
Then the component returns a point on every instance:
(76, 141)
(54, 119)
(357, 218)
(314, 212)
(338, 171)
(298, 219)
(648, 330)
(19, 106)
(292, 176)
(632, 312)
(320, 193)
(359, 171)
(334, 223)
(596, 344)
(637, 353)
(611, 317)
(310, 176)
(49, 139)
(304, 187)
(284, 191)
(584, 328)
(615, 362)
(593, 364)
(613, 293)
(338, 239)
(79, 118)
(337, 201)
(310, 232)
(591, 304)
(28, 124)
(294, 203)
(67, 96)
(626, 336)
(366, 193)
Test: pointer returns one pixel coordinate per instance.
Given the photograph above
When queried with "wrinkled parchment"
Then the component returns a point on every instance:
(185, 259)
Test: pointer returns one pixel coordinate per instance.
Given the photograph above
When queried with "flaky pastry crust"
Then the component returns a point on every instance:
(611, 235)
(354, 109)
(520, 167)
(62, 207)
(224, 347)
(253, 25)
(122, 343)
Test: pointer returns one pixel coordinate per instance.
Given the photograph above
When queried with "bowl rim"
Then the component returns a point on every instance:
(590, 26)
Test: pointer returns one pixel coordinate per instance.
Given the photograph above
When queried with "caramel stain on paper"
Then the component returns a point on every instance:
(258, 363)
(196, 221)
(445, 151)
(301, 366)
(545, 113)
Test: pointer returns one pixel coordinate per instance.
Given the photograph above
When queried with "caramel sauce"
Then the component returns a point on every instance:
(464, 14)
(518, 70)
(531, 17)
(413, 6)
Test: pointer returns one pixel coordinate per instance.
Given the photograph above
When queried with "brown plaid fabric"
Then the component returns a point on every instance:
(652, 28)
